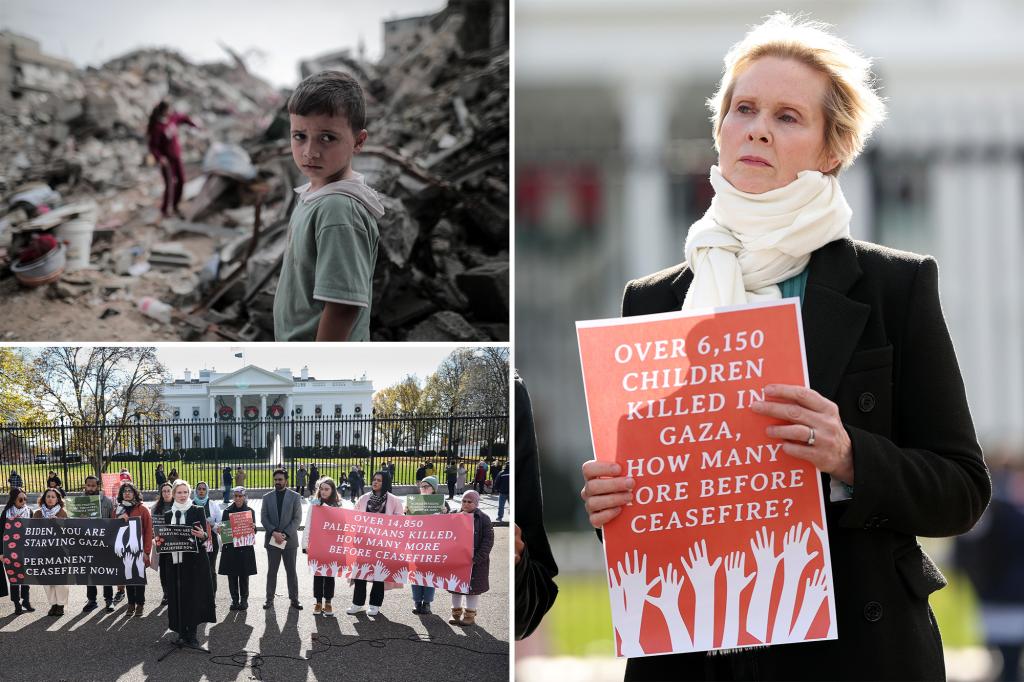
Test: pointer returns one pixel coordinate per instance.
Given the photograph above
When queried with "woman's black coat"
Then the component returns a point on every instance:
(237, 560)
(483, 541)
(877, 345)
(192, 577)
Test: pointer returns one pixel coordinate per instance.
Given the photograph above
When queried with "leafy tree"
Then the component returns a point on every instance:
(17, 403)
(398, 413)
(100, 391)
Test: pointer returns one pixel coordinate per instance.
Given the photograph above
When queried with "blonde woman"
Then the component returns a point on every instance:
(886, 418)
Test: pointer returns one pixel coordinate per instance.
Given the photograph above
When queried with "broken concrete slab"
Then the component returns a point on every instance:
(445, 326)
(487, 288)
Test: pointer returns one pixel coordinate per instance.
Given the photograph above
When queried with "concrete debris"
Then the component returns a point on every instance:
(438, 154)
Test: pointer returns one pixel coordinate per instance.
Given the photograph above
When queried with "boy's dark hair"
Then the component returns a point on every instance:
(280, 470)
(330, 93)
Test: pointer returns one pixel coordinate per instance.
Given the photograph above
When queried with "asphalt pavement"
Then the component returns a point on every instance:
(277, 644)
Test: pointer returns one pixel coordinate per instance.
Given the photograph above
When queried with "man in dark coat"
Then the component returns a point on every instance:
(535, 567)
(280, 516)
(878, 347)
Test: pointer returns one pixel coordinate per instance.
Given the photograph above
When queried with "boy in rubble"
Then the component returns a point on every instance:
(326, 282)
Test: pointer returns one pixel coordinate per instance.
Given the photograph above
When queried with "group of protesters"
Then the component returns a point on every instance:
(188, 580)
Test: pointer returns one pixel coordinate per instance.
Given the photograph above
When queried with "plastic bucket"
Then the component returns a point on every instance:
(77, 234)
(43, 270)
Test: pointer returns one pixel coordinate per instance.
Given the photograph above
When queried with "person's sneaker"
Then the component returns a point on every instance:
(416, 609)
(425, 608)
(328, 611)
(316, 609)
(90, 605)
(373, 611)
(268, 605)
(130, 611)
(354, 609)
(119, 596)
(109, 608)
(297, 606)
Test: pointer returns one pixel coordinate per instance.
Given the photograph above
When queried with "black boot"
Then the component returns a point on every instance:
(27, 606)
(17, 608)
(425, 608)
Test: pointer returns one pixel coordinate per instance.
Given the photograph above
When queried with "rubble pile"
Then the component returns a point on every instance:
(438, 153)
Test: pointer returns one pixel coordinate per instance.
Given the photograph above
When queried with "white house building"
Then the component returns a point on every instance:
(264, 398)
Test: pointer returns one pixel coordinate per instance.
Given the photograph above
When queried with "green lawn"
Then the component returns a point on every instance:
(580, 622)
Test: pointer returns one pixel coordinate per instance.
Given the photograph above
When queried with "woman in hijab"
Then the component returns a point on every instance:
(162, 505)
(378, 501)
(323, 586)
(17, 508)
(51, 506)
(238, 562)
(886, 418)
(422, 595)
(129, 506)
(464, 606)
(191, 588)
(211, 508)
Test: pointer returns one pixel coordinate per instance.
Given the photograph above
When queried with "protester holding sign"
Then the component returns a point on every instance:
(211, 508)
(160, 507)
(92, 487)
(323, 586)
(238, 562)
(129, 506)
(464, 606)
(51, 506)
(378, 501)
(886, 417)
(423, 595)
(17, 508)
(191, 588)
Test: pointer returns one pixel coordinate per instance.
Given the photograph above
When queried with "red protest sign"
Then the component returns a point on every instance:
(243, 530)
(112, 483)
(723, 544)
(432, 551)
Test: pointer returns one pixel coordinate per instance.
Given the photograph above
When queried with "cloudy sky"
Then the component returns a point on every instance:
(273, 36)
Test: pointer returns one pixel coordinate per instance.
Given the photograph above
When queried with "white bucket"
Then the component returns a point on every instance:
(77, 234)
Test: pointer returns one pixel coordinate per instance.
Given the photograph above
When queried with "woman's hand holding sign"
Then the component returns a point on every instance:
(606, 491)
(815, 431)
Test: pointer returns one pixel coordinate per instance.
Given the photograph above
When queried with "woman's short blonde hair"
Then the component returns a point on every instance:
(852, 106)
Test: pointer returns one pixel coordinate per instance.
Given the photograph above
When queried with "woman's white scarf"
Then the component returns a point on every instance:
(747, 243)
(22, 513)
(50, 512)
(183, 508)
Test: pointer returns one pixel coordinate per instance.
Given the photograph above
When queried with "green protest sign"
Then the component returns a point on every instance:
(83, 506)
(424, 504)
(225, 532)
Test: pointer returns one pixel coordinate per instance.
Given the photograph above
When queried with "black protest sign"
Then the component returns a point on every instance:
(174, 538)
(73, 552)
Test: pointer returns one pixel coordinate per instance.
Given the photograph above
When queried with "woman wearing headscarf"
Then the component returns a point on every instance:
(17, 508)
(201, 499)
(130, 506)
(51, 506)
(464, 606)
(886, 418)
(326, 494)
(163, 503)
(378, 501)
(238, 562)
(422, 595)
(191, 587)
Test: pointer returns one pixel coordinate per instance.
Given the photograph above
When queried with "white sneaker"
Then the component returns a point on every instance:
(373, 611)
(354, 609)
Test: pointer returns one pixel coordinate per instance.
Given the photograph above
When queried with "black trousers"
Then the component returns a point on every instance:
(19, 593)
(108, 593)
(166, 578)
(480, 487)
(376, 593)
(136, 594)
(238, 586)
(323, 587)
(213, 569)
(451, 488)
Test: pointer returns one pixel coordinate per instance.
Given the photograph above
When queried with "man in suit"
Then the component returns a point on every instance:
(280, 515)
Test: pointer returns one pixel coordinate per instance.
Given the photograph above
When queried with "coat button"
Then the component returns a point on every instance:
(873, 611)
(866, 402)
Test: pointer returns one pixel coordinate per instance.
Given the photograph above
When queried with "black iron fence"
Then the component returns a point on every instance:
(201, 449)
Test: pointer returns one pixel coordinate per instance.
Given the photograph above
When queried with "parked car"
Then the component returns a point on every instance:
(72, 458)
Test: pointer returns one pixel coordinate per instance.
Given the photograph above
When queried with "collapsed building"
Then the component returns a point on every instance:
(438, 153)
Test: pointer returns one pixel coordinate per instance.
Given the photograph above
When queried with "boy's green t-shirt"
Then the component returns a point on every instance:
(330, 256)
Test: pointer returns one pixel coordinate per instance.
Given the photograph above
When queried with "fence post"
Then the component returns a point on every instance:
(63, 452)
(373, 440)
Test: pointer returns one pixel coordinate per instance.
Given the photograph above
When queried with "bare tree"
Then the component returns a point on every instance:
(100, 391)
